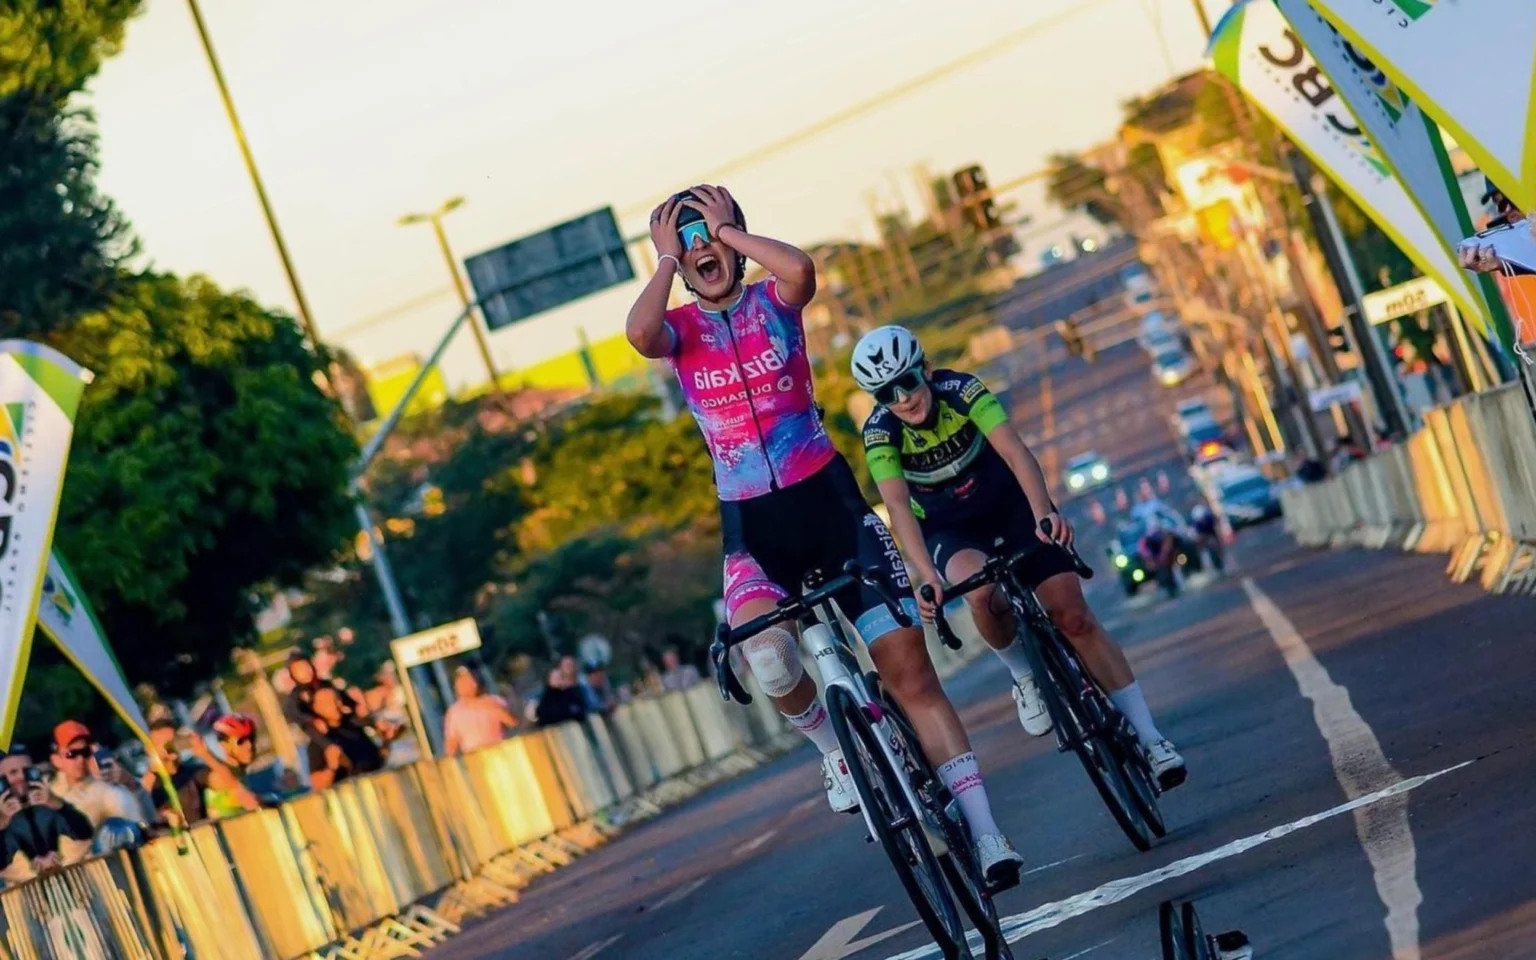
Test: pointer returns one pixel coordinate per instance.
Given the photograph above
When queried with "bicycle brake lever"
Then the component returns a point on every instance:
(940, 623)
(876, 582)
(725, 678)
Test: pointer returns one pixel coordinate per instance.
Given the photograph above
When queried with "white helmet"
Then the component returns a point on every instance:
(883, 354)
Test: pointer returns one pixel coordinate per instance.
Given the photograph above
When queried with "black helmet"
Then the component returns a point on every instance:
(688, 215)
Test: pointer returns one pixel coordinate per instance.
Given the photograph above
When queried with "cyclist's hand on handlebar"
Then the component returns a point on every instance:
(930, 579)
(1054, 528)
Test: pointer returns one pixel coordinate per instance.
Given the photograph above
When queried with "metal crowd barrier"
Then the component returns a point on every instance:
(1464, 485)
(388, 864)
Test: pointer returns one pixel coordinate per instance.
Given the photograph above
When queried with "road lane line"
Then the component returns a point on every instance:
(1360, 766)
(678, 895)
(806, 805)
(597, 948)
(1046, 916)
(1084, 953)
(1057, 863)
(754, 843)
(838, 942)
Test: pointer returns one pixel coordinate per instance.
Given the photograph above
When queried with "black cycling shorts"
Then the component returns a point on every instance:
(820, 523)
(998, 520)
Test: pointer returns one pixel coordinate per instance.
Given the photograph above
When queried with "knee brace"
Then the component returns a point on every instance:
(773, 657)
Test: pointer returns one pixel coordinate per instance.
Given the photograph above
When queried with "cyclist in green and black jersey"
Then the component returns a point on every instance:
(959, 482)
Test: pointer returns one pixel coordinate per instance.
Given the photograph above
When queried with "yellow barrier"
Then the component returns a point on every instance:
(347, 873)
(1465, 485)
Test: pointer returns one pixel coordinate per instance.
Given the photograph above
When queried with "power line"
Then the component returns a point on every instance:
(878, 100)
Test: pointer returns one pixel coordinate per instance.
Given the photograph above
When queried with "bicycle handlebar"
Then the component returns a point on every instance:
(794, 608)
(993, 571)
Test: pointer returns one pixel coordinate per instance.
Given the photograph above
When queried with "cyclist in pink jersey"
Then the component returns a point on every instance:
(789, 503)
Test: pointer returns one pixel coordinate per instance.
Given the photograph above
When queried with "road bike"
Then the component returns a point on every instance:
(1085, 719)
(1183, 937)
(904, 804)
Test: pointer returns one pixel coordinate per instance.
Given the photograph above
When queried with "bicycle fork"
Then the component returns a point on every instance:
(832, 662)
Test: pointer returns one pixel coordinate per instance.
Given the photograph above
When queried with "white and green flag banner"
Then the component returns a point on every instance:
(1255, 48)
(40, 392)
(1471, 64)
(1408, 140)
(66, 617)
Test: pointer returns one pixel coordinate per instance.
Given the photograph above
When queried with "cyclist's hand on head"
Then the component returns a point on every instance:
(664, 229)
(1060, 530)
(929, 578)
(716, 205)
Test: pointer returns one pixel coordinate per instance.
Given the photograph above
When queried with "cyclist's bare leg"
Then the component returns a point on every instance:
(1062, 598)
(798, 703)
(906, 670)
(994, 619)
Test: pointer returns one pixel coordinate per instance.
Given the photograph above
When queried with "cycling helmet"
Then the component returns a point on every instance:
(234, 726)
(883, 354)
(688, 215)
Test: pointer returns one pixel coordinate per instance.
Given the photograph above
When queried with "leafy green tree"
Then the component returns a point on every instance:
(207, 463)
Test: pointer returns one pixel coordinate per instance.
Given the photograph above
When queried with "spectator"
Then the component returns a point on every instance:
(339, 747)
(676, 675)
(562, 698)
(107, 767)
(104, 804)
(598, 691)
(227, 794)
(189, 778)
(476, 719)
(34, 822)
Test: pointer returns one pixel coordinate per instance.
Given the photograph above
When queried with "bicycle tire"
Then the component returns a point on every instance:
(860, 744)
(1196, 943)
(959, 864)
(1170, 928)
(1091, 741)
(1138, 774)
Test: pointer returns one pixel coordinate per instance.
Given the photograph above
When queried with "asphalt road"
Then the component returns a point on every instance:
(1300, 682)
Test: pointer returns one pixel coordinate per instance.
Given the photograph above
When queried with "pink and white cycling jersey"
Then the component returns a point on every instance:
(747, 381)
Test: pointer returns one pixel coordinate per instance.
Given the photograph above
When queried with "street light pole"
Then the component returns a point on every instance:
(299, 300)
(436, 219)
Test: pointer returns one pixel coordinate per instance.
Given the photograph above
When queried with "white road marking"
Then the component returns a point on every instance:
(1056, 863)
(1360, 766)
(754, 843)
(806, 805)
(1084, 953)
(597, 948)
(677, 896)
(838, 942)
(1046, 916)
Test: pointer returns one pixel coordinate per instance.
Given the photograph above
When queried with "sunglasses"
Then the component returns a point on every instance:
(902, 387)
(242, 741)
(697, 230)
(78, 753)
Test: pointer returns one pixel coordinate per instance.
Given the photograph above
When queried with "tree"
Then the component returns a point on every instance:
(1073, 185)
(206, 465)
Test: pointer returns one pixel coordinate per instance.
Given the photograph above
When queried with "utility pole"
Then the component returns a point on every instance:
(436, 219)
(300, 302)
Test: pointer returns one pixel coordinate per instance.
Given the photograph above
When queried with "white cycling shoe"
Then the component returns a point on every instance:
(1166, 764)
(1033, 715)
(1000, 864)
(841, 794)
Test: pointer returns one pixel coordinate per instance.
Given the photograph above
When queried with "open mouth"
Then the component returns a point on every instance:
(709, 268)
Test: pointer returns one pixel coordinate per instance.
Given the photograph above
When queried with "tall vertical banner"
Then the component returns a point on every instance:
(66, 617)
(1471, 64)
(1255, 48)
(1408, 140)
(40, 392)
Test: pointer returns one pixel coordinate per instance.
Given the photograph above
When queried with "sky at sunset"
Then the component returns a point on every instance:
(360, 111)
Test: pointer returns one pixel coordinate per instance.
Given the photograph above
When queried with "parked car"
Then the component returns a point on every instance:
(1245, 496)
(1173, 366)
(1193, 409)
(1086, 471)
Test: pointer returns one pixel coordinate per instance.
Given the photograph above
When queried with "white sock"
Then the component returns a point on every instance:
(1016, 661)
(963, 778)
(1130, 701)
(817, 727)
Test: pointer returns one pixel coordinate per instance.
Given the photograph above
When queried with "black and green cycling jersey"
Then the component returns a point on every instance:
(940, 458)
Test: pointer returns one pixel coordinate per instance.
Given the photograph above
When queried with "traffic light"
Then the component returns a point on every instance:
(979, 209)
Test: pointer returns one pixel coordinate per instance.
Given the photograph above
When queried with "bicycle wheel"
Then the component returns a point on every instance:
(897, 826)
(1196, 944)
(1088, 732)
(960, 866)
(1138, 775)
(1171, 930)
